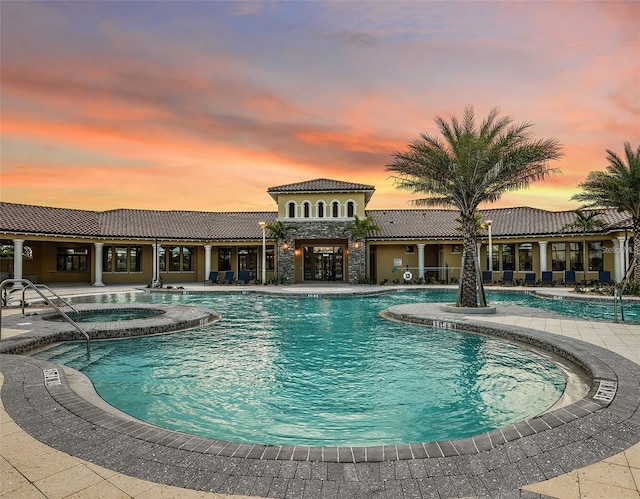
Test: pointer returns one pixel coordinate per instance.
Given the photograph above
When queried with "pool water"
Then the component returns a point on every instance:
(317, 371)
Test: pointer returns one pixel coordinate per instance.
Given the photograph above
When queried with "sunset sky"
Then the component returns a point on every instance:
(204, 105)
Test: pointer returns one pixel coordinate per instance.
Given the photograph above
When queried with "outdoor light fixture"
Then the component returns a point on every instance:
(263, 226)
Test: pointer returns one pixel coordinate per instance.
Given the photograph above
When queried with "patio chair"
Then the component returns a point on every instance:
(213, 278)
(243, 277)
(570, 277)
(507, 277)
(530, 279)
(547, 277)
(228, 277)
(487, 277)
(604, 277)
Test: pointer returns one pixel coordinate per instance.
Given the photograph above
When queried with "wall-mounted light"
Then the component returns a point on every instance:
(296, 252)
(285, 246)
(356, 245)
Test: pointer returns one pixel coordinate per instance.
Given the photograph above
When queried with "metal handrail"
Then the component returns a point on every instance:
(44, 286)
(29, 284)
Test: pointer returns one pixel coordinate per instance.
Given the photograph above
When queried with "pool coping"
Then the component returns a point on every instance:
(487, 464)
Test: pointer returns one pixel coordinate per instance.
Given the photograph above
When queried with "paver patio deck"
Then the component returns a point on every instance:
(32, 469)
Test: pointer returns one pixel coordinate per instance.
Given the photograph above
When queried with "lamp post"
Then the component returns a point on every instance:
(488, 224)
(263, 226)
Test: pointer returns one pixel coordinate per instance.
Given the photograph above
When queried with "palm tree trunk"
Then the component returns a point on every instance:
(467, 292)
(636, 250)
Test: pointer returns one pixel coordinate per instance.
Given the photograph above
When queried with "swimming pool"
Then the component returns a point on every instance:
(317, 371)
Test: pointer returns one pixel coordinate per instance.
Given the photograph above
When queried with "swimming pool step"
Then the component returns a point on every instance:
(76, 356)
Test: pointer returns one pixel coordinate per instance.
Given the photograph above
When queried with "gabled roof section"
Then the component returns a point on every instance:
(321, 185)
(42, 220)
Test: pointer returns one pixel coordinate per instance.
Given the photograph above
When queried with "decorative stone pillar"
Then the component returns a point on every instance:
(98, 264)
(18, 246)
(421, 261)
(207, 261)
(543, 255)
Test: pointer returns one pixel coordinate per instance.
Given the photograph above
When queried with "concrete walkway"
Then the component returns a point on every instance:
(31, 469)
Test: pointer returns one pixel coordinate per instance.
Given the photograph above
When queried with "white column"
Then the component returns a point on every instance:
(98, 264)
(207, 261)
(18, 246)
(621, 257)
(617, 270)
(156, 273)
(543, 255)
(421, 261)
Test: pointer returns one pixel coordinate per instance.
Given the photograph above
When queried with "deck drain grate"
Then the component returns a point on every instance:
(606, 391)
(51, 377)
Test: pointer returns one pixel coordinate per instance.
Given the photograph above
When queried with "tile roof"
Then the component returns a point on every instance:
(427, 224)
(506, 222)
(322, 185)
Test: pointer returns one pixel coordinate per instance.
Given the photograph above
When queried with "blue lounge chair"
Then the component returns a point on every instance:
(547, 277)
(243, 277)
(604, 277)
(530, 279)
(487, 277)
(213, 278)
(228, 277)
(570, 277)
(507, 277)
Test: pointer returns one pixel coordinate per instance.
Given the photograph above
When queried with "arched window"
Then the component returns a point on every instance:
(291, 210)
(307, 209)
(335, 209)
(350, 208)
(320, 209)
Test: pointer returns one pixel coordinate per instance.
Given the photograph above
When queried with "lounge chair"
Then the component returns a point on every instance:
(487, 277)
(530, 279)
(507, 277)
(604, 277)
(570, 277)
(547, 277)
(228, 277)
(213, 278)
(243, 277)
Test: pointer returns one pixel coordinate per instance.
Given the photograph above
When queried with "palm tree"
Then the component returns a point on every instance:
(360, 229)
(585, 223)
(619, 188)
(472, 166)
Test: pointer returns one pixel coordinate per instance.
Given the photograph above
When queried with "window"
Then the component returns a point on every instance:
(72, 260)
(596, 252)
(335, 209)
(558, 256)
(122, 259)
(176, 258)
(351, 209)
(508, 257)
(495, 256)
(224, 259)
(525, 257)
(320, 209)
(248, 260)
(306, 208)
(187, 259)
(173, 253)
(135, 259)
(161, 259)
(291, 210)
(576, 260)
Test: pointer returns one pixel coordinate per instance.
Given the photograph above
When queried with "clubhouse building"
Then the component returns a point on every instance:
(57, 245)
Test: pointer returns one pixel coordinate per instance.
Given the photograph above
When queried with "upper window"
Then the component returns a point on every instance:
(306, 208)
(291, 210)
(351, 209)
(335, 209)
(320, 209)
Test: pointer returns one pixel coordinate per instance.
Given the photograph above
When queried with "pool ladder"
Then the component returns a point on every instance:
(27, 284)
